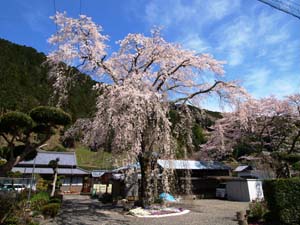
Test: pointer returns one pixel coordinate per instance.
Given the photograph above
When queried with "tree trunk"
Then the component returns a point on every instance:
(54, 183)
(146, 196)
(4, 169)
(14, 161)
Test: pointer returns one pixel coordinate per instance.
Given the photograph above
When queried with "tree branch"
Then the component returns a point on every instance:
(175, 69)
(185, 99)
(5, 138)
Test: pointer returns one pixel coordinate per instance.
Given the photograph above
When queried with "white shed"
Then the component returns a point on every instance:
(244, 190)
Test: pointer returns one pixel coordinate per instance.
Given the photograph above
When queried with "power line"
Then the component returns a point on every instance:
(54, 6)
(289, 7)
(80, 7)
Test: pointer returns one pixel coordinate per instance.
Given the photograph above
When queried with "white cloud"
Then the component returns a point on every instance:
(285, 86)
(285, 55)
(262, 82)
(235, 58)
(277, 38)
(195, 13)
(244, 33)
(168, 12)
(194, 42)
(218, 9)
(257, 78)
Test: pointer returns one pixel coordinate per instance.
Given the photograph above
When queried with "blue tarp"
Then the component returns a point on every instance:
(167, 197)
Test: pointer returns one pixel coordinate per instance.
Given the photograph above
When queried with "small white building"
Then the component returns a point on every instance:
(244, 190)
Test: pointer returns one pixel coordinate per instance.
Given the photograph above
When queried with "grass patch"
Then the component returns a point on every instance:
(88, 159)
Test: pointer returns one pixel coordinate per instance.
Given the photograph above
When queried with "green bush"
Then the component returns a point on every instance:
(51, 209)
(257, 211)
(296, 166)
(50, 115)
(283, 199)
(198, 135)
(39, 200)
(158, 201)
(13, 122)
(54, 200)
(41, 185)
(11, 220)
(7, 201)
(105, 198)
(59, 148)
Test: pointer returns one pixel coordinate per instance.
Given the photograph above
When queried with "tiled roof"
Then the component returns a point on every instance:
(64, 171)
(44, 157)
(191, 165)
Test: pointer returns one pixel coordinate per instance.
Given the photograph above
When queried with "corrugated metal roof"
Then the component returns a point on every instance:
(44, 157)
(28, 170)
(181, 164)
(130, 166)
(191, 165)
(241, 168)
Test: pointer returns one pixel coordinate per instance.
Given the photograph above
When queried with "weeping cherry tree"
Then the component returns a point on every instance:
(138, 82)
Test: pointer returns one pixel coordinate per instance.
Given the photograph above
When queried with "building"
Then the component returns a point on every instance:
(244, 190)
(250, 172)
(203, 177)
(71, 176)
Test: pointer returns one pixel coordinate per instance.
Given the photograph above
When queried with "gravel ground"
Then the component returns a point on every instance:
(81, 210)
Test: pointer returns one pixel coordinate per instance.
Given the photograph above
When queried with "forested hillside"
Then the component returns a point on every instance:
(25, 84)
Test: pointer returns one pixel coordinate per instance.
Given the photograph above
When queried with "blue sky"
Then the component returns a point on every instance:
(260, 44)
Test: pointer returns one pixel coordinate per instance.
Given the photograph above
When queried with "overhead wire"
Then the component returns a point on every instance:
(289, 7)
(54, 7)
(80, 7)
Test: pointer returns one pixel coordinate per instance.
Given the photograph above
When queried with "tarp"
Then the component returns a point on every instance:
(167, 197)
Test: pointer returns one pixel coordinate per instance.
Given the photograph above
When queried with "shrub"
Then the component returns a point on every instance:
(54, 200)
(7, 201)
(257, 211)
(296, 166)
(39, 200)
(105, 198)
(159, 201)
(50, 209)
(11, 220)
(59, 148)
(41, 185)
(13, 122)
(283, 199)
(50, 115)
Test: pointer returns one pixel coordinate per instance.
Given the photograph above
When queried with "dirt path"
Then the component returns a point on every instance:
(80, 210)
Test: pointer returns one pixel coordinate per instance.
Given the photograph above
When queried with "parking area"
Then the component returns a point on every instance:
(83, 210)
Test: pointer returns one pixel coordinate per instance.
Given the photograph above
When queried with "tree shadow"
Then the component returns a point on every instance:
(88, 212)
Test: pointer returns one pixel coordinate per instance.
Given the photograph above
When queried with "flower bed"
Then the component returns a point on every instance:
(157, 212)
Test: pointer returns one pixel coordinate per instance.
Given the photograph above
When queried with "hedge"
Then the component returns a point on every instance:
(283, 199)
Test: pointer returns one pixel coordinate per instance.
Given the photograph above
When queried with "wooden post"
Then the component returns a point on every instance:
(242, 218)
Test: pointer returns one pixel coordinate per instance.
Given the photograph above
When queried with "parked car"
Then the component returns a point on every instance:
(221, 191)
(6, 187)
(10, 187)
(19, 187)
